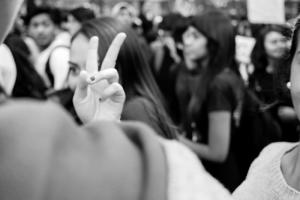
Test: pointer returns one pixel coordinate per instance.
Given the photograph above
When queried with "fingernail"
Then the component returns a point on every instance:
(92, 78)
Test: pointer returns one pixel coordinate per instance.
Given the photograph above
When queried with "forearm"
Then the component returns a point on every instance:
(217, 148)
(204, 151)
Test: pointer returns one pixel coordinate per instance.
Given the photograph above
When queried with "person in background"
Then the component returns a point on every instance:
(129, 15)
(52, 158)
(270, 48)
(76, 17)
(275, 172)
(210, 89)
(271, 76)
(166, 60)
(43, 26)
(144, 101)
(27, 83)
(126, 13)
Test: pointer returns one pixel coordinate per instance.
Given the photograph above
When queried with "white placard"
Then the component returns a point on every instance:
(266, 11)
(244, 47)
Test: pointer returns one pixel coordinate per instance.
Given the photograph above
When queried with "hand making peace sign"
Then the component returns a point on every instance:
(98, 95)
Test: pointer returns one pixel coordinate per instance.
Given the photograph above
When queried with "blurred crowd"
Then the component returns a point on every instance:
(183, 76)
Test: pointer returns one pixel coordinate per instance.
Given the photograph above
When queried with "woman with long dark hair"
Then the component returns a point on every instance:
(269, 54)
(144, 101)
(271, 75)
(215, 93)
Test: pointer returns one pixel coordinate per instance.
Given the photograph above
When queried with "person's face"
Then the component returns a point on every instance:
(194, 44)
(42, 30)
(275, 45)
(72, 25)
(78, 55)
(185, 7)
(125, 16)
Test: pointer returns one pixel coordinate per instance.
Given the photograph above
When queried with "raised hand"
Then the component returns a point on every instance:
(98, 95)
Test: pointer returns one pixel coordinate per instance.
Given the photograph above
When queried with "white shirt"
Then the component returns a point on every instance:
(8, 69)
(58, 62)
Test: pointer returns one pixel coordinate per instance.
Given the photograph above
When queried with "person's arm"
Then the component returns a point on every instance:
(221, 100)
(59, 66)
(218, 138)
(8, 12)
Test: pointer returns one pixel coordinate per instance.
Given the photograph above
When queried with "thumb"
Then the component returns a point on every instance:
(81, 88)
(115, 92)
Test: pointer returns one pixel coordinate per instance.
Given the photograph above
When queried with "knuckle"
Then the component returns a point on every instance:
(116, 86)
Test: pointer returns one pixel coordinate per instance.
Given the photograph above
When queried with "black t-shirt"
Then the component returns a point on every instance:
(224, 93)
(263, 85)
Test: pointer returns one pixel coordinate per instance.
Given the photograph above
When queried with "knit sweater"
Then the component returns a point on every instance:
(265, 180)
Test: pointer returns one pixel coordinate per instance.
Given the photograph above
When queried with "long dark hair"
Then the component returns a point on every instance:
(216, 27)
(135, 73)
(259, 56)
(295, 38)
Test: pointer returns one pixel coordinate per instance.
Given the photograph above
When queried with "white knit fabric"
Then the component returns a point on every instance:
(187, 178)
(265, 180)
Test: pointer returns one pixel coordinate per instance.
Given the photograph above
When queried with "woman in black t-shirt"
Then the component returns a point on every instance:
(212, 107)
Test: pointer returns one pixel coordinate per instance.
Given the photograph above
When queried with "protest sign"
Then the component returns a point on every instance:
(244, 47)
(266, 11)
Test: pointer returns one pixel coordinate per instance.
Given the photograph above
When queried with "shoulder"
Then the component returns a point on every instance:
(60, 50)
(137, 106)
(276, 149)
(58, 55)
(143, 110)
(264, 172)
(269, 156)
(228, 83)
(138, 102)
(61, 45)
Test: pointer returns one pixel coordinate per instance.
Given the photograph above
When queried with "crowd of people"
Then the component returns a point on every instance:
(122, 107)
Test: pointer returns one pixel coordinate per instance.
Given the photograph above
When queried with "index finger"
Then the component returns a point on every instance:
(112, 53)
(92, 56)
